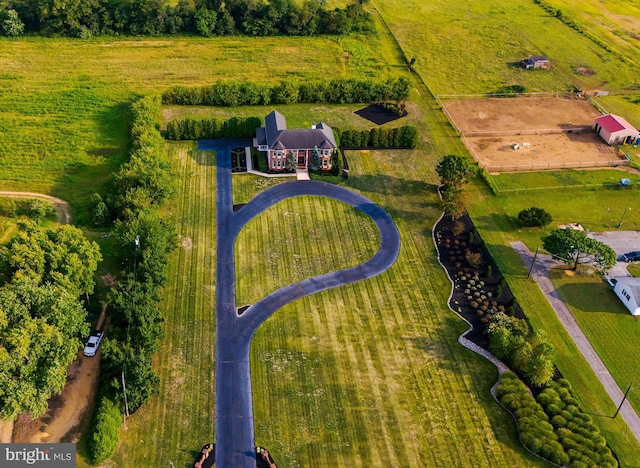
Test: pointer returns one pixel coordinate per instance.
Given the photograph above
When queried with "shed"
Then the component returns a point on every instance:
(628, 290)
(615, 130)
(536, 61)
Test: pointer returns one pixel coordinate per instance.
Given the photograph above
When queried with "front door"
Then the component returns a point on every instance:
(302, 159)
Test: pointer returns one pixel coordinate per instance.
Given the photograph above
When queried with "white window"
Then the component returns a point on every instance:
(326, 152)
(278, 164)
(279, 154)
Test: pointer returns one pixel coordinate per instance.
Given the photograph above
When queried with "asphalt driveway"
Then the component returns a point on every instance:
(235, 446)
(622, 242)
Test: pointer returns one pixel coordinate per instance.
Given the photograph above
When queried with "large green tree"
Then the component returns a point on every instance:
(455, 171)
(61, 256)
(575, 247)
(40, 330)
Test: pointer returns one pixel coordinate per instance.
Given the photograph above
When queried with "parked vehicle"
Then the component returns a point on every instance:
(631, 256)
(91, 348)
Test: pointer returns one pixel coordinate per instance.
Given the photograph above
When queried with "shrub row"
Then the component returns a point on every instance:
(580, 438)
(536, 433)
(528, 353)
(105, 431)
(337, 91)
(196, 129)
(400, 137)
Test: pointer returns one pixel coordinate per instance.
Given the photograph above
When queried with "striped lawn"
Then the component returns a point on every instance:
(368, 374)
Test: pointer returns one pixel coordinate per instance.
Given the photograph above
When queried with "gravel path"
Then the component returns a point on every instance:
(540, 274)
(235, 446)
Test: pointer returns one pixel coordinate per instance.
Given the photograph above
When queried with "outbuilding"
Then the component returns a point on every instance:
(628, 290)
(615, 130)
(536, 61)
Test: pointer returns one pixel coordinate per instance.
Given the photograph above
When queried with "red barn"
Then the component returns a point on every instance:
(615, 130)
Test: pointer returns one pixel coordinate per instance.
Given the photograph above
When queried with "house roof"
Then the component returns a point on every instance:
(632, 285)
(536, 58)
(614, 123)
(278, 137)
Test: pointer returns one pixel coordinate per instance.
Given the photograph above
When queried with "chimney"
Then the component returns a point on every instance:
(313, 126)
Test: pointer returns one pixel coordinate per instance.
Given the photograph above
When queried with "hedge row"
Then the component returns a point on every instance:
(400, 137)
(536, 433)
(237, 127)
(196, 129)
(144, 240)
(579, 436)
(337, 91)
(105, 431)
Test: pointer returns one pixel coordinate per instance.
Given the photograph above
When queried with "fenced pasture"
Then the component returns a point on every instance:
(529, 133)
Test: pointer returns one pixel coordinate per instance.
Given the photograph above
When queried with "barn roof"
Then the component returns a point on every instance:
(614, 123)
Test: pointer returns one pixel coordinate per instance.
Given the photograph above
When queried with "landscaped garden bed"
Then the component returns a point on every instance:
(479, 290)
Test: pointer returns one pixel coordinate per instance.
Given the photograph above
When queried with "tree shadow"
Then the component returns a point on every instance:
(581, 296)
(388, 185)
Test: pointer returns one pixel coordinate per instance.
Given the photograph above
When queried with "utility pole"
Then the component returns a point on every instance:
(534, 261)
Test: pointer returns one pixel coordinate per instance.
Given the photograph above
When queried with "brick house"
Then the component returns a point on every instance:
(280, 142)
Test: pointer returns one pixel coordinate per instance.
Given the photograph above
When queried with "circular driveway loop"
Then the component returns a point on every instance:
(235, 446)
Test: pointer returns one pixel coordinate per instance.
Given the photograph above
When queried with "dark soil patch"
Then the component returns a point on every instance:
(487, 281)
(378, 114)
(585, 71)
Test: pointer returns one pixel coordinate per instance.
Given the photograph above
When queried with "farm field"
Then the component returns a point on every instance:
(474, 47)
(616, 21)
(366, 371)
(326, 366)
(64, 102)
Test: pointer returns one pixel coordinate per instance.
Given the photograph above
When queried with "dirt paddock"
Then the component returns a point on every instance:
(551, 133)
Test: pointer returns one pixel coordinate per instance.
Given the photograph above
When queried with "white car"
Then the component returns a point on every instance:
(91, 348)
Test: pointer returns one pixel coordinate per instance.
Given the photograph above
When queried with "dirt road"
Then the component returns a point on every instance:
(62, 208)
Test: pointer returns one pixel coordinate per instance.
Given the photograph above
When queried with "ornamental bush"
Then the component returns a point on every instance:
(534, 217)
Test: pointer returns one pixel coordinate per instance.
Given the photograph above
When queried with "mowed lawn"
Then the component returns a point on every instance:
(613, 331)
(369, 374)
(475, 47)
(64, 102)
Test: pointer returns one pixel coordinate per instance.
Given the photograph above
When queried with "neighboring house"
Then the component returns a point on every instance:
(615, 130)
(628, 290)
(536, 61)
(280, 142)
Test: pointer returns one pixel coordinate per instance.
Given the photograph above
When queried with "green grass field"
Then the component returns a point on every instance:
(467, 47)
(634, 269)
(63, 103)
(616, 21)
(561, 181)
(369, 374)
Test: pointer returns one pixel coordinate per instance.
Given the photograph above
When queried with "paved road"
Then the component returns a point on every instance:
(541, 276)
(235, 446)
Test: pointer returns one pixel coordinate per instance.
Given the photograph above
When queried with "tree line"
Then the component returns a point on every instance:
(144, 240)
(336, 91)
(86, 18)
